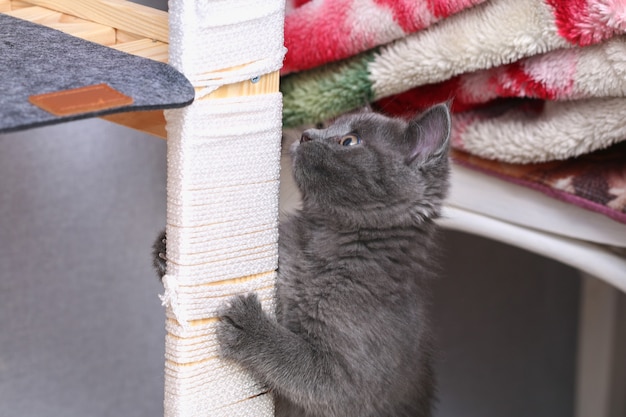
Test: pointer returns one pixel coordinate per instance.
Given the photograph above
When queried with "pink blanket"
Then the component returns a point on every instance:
(317, 32)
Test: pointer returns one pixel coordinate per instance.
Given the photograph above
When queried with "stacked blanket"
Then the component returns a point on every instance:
(530, 81)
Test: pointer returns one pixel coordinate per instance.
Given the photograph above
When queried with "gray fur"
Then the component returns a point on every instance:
(351, 336)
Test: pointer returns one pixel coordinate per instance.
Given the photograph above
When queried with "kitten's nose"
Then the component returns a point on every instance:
(305, 137)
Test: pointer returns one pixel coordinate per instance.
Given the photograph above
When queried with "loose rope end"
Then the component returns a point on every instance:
(169, 298)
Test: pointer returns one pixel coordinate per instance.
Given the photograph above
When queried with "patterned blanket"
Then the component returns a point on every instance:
(531, 82)
(596, 181)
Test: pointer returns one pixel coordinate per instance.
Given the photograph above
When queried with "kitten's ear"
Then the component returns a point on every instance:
(366, 107)
(428, 134)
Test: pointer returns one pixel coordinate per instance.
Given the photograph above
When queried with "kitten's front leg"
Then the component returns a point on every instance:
(243, 327)
(281, 359)
(272, 354)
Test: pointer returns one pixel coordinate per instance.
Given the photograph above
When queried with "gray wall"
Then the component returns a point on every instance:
(81, 327)
(507, 323)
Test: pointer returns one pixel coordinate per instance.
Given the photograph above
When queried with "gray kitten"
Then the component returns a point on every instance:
(351, 335)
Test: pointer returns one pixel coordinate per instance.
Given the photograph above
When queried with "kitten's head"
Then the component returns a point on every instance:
(369, 166)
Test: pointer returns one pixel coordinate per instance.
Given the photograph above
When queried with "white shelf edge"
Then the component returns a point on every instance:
(480, 193)
(591, 258)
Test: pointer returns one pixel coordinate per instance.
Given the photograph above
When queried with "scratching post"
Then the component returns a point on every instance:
(222, 215)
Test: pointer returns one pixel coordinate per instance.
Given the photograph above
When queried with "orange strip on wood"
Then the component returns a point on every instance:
(81, 100)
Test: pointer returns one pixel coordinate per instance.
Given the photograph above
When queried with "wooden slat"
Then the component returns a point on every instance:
(44, 16)
(17, 4)
(89, 31)
(151, 122)
(7, 5)
(267, 84)
(71, 25)
(122, 36)
(38, 15)
(147, 48)
(119, 14)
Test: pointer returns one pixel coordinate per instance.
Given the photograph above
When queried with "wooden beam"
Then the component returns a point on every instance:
(71, 25)
(266, 84)
(147, 48)
(151, 122)
(37, 15)
(119, 14)
(89, 31)
(123, 36)
(8, 5)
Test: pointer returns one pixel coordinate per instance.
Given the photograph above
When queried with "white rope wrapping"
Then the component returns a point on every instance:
(222, 214)
(222, 225)
(252, 30)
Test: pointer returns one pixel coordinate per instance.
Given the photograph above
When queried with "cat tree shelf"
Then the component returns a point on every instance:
(127, 27)
(120, 25)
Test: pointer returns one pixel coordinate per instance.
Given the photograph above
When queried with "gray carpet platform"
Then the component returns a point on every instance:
(36, 60)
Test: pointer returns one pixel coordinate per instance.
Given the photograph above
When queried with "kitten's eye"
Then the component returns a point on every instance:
(350, 140)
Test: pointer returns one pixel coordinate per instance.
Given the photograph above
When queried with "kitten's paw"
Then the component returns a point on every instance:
(241, 322)
(159, 254)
